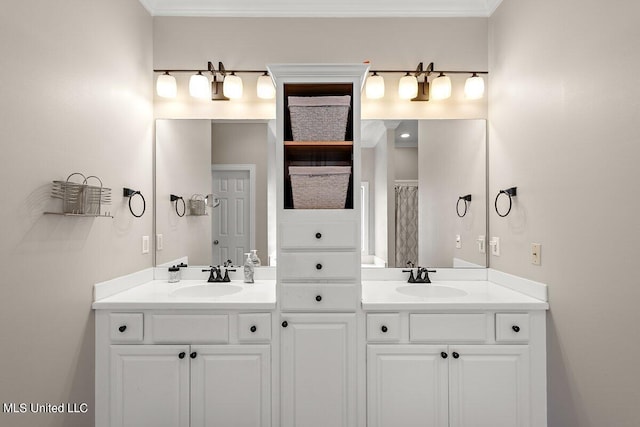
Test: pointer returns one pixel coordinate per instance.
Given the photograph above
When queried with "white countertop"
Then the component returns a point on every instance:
(157, 294)
(480, 295)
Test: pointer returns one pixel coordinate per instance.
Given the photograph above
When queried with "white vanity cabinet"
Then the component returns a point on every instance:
(185, 370)
(450, 382)
(318, 255)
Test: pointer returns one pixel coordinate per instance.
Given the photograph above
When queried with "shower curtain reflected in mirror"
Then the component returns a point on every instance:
(406, 224)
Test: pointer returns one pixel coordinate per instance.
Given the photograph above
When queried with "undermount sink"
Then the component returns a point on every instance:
(206, 290)
(431, 291)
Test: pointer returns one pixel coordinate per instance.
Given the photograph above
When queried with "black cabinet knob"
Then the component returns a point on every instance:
(285, 324)
(122, 328)
(515, 328)
(182, 355)
(455, 355)
(318, 298)
(253, 328)
(193, 355)
(318, 235)
(444, 355)
(318, 266)
(384, 328)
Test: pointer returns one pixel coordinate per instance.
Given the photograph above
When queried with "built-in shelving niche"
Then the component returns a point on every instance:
(317, 153)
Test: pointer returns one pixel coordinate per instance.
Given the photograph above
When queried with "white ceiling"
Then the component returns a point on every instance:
(322, 8)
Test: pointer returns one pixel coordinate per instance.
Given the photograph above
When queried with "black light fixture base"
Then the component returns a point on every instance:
(216, 91)
(423, 91)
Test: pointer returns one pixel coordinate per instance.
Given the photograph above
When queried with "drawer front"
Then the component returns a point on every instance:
(190, 329)
(383, 327)
(254, 327)
(454, 328)
(319, 297)
(341, 235)
(318, 265)
(126, 327)
(512, 327)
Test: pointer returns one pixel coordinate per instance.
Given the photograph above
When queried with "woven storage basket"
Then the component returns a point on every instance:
(319, 187)
(319, 118)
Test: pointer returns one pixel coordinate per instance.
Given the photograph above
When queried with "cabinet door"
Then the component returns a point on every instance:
(231, 386)
(149, 385)
(318, 371)
(489, 386)
(407, 386)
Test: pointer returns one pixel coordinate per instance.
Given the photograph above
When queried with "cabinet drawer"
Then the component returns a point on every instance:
(383, 327)
(319, 235)
(512, 327)
(318, 265)
(254, 327)
(319, 297)
(126, 327)
(190, 329)
(471, 328)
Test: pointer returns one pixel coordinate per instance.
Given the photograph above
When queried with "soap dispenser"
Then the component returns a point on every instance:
(248, 269)
(254, 258)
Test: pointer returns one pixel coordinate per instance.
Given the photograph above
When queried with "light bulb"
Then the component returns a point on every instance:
(265, 87)
(408, 87)
(441, 87)
(232, 86)
(375, 86)
(199, 86)
(166, 86)
(474, 87)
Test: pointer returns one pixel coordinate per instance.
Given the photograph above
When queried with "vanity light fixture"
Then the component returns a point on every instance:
(199, 86)
(474, 87)
(441, 87)
(265, 88)
(226, 84)
(232, 86)
(374, 88)
(166, 86)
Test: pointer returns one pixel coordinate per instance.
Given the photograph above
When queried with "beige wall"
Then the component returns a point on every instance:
(76, 96)
(564, 130)
(246, 143)
(183, 168)
(251, 43)
(406, 160)
(452, 157)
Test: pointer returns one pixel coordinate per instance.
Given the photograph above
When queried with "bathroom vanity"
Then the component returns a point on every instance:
(321, 342)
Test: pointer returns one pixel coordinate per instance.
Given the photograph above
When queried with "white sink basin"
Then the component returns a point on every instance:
(431, 291)
(206, 290)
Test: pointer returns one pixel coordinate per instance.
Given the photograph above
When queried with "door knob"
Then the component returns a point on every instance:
(215, 242)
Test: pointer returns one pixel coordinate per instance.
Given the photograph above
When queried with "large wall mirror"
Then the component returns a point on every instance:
(423, 192)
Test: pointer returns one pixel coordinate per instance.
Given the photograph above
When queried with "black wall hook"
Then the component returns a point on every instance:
(510, 192)
(128, 192)
(466, 199)
(175, 198)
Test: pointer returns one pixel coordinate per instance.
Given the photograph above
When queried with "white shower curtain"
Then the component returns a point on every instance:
(406, 225)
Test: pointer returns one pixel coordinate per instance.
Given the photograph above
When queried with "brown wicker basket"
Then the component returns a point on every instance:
(319, 118)
(319, 187)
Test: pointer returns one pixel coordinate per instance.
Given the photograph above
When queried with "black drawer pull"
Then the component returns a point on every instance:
(455, 355)
(182, 355)
(285, 324)
(444, 355)
(318, 235)
(384, 329)
(253, 328)
(318, 266)
(516, 328)
(318, 298)
(193, 355)
(122, 328)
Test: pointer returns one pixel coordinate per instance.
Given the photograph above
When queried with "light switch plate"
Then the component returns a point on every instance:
(145, 244)
(159, 242)
(482, 247)
(495, 246)
(536, 254)
(458, 242)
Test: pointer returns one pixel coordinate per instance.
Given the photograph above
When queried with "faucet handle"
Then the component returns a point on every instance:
(412, 279)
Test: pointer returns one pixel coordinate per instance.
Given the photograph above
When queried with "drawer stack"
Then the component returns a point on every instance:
(319, 266)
